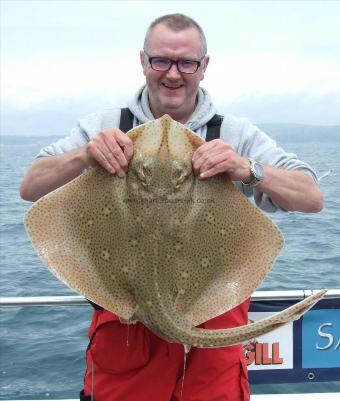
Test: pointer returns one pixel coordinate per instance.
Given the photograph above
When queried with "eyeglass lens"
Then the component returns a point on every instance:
(164, 64)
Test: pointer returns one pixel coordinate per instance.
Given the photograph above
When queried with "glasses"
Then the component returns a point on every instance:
(164, 64)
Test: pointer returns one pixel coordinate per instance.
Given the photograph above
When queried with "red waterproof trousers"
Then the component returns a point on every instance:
(130, 363)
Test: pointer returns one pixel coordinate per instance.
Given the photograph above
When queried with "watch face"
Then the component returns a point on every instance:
(258, 170)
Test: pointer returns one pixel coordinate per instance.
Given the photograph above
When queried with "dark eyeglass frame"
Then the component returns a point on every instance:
(172, 62)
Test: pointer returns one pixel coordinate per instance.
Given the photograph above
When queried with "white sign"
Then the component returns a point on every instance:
(270, 351)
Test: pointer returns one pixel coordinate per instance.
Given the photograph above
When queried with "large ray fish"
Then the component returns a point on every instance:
(161, 246)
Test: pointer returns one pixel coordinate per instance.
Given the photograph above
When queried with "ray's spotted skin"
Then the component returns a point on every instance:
(160, 245)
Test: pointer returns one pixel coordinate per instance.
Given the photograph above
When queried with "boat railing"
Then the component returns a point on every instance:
(77, 300)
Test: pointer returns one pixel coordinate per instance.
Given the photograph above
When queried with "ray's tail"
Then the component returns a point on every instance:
(167, 322)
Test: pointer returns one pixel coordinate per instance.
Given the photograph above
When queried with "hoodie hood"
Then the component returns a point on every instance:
(203, 112)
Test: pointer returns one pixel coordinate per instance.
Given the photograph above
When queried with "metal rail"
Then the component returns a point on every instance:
(77, 300)
(277, 397)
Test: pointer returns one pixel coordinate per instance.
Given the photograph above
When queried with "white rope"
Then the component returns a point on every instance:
(92, 384)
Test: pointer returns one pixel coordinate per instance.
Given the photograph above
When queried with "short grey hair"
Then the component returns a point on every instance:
(176, 22)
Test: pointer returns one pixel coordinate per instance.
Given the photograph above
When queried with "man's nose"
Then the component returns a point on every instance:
(173, 73)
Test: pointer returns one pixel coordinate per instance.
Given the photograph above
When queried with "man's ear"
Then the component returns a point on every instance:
(206, 62)
(142, 60)
(205, 65)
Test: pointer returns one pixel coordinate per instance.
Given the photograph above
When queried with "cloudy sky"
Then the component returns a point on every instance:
(271, 61)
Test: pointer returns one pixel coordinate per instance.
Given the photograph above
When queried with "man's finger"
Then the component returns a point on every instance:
(114, 154)
(101, 159)
(114, 161)
(202, 149)
(213, 160)
(207, 159)
(126, 144)
(218, 168)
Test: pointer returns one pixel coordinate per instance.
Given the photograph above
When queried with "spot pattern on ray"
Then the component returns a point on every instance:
(160, 245)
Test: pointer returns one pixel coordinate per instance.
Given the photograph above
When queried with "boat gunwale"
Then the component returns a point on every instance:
(78, 300)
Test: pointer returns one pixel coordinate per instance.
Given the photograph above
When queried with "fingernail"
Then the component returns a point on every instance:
(202, 175)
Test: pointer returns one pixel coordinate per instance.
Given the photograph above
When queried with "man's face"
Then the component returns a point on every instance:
(173, 92)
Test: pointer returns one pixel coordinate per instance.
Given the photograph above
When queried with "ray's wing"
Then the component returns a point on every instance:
(229, 246)
(80, 232)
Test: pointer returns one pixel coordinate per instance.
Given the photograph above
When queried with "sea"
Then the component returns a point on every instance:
(43, 348)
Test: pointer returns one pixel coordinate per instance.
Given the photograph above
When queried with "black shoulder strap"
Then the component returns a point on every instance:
(214, 127)
(126, 120)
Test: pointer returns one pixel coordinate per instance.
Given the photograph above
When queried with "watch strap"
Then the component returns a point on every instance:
(255, 181)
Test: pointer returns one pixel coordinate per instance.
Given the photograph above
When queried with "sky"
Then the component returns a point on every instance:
(270, 61)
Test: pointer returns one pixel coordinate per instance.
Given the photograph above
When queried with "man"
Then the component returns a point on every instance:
(174, 61)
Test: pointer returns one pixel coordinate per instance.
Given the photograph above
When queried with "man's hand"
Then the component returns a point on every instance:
(289, 189)
(216, 157)
(112, 149)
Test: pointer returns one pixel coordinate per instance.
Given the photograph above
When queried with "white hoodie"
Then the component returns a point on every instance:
(245, 138)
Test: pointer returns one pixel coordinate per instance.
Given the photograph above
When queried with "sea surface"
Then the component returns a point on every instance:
(42, 348)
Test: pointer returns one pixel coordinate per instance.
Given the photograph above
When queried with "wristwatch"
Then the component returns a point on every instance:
(257, 172)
